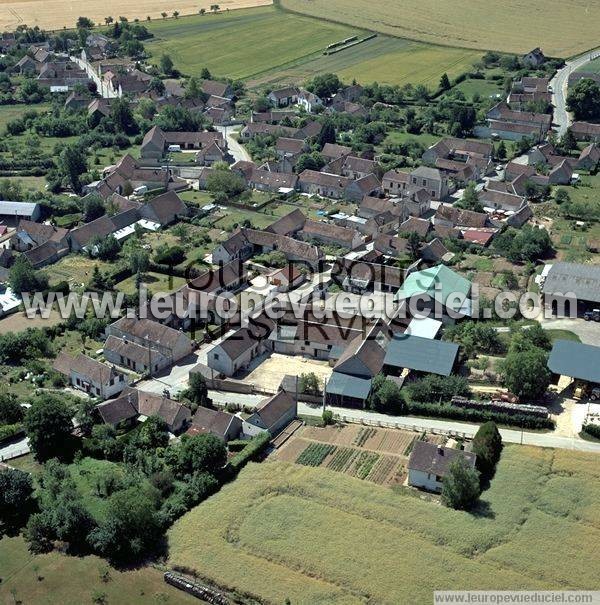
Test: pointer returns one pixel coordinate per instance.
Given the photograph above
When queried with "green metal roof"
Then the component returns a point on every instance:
(576, 360)
(348, 386)
(439, 283)
(421, 354)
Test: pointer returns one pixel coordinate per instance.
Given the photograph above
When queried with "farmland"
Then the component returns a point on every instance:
(375, 454)
(56, 14)
(58, 578)
(489, 25)
(290, 47)
(286, 531)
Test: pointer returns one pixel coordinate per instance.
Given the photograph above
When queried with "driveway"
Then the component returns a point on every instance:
(588, 331)
(239, 152)
(175, 380)
(559, 85)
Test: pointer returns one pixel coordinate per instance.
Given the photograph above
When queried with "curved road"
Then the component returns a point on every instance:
(559, 84)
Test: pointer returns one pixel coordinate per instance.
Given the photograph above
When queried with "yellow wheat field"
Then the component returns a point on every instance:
(562, 28)
(56, 14)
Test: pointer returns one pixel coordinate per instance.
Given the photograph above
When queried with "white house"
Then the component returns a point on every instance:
(429, 464)
(272, 415)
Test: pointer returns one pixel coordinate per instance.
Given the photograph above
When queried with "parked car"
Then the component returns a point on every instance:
(595, 394)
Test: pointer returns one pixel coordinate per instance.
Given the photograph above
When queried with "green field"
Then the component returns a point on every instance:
(242, 43)
(591, 67)
(268, 46)
(314, 536)
(155, 282)
(56, 578)
(511, 26)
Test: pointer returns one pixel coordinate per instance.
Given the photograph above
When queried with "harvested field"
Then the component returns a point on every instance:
(314, 536)
(481, 24)
(375, 454)
(56, 14)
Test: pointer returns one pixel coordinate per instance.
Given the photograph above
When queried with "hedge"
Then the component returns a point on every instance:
(593, 430)
(8, 431)
(469, 415)
(251, 452)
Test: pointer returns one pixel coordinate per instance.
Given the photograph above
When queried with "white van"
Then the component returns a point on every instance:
(174, 148)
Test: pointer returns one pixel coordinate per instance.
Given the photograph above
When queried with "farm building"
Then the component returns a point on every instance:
(429, 464)
(573, 282)
(575, 360)
(420, 354)
(13, 212)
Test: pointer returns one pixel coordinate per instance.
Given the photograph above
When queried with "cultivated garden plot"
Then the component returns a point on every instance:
(375, 454)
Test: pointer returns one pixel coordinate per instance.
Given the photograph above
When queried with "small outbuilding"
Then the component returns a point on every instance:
(575, 360)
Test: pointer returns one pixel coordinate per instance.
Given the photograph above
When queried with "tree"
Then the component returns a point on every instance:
(309, 383)
(470, 199)
(176, 14)
(108, 20)
(324, 85)
(11, 411)
(583, 99)
(166, 64)
(106, 248)
(192, 89)
(413, 241)
(226, 182)
(130, 528)
(205, 74)
(16, 497)
(164, 15)
(197, 391)
(197, 454)
(461, 487)
(568, 141)
(153, 434)
(533, 336)
(214, 8)
(72, 164)
(309, 161)
(487, 446)
(93, 208)
(526, 373)
(139, 260)
(22, 277)
(501, 151)
(84, 416)
(261, 104)
(48, 425)
(157, 86)
(433, 388)
(122, 116)
(327, 134)
(84, 23)
(386, 396)
(445, 82)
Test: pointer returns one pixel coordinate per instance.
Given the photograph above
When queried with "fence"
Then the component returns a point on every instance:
(405, 426)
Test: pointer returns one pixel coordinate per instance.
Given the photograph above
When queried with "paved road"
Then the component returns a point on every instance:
(239, 152)
(419, 424)
(559, 84)
(588, 331)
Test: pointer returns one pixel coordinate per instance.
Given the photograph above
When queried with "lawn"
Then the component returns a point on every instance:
(591, 67)
(155, 282)
(58, 578)
(413, 62)
(11, 112)
(314, 536)
(244, 43)
(76, 269)
(479, 24)
(563, 335)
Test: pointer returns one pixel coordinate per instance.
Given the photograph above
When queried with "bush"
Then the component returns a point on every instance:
(461, 487)
(8, 431)
(487, 446)
(166, 255)
(434, 388)
(327, 417)
(433, 410)
(593, 430)
(251, 452)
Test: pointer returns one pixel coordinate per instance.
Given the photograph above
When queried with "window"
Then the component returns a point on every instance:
(306, 342)
(433, 193)
(424, 183)
(216, 356)
(438, 478)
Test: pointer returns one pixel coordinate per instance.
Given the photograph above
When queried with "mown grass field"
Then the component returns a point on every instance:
(244, 43)
(561, 28)
(56, 578)
(315, 536)
(268, 46)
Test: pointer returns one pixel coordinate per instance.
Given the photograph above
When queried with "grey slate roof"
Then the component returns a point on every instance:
(575, 360)
(348, 386)
(421, 354)
(581, 280)
(431, 458)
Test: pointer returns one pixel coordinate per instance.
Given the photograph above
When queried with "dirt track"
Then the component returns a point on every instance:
(56, 14)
